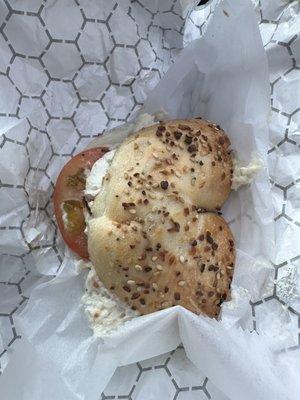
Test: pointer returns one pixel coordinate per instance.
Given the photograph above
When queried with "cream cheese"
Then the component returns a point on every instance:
(99, 169)
(243, 175)
(95, 176)
(104, 310)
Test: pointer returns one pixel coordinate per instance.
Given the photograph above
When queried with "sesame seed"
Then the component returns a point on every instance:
(155, 185)
(152, 196)
(126, 176)
(155, 286)
(148, 187)
(182, 259)
(178, 174)
(155, 155)
(181, 283)
(159, 267)
(132, 211)
(130, 282)
(154, 258)
(138, 267)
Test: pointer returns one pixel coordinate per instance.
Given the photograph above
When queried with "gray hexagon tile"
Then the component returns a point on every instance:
(67, 103)
(278, 57)
(6, 54)
(118, 102)
(38, 187)
(52, 171)
(142, 17)
(39, 149)
(32, 107)
(63, 135)
(54, 17)
(123, 65)
(61, 60)
(13, 206)
(277, 323)
(9, 104)
(16, 270)
(31, 42)
(91, 81)
(89, 115)
(147, 383)
(30, 6)
(10, 173)
(283, 86)
(183, 371)
(95, 43)
(124, 379)
(28, 76)
(97, 10)
(12, 242)
(128, 30)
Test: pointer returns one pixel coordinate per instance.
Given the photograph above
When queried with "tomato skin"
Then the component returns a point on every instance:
(69, 190)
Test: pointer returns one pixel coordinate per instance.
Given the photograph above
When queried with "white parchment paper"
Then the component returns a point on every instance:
(223, 77)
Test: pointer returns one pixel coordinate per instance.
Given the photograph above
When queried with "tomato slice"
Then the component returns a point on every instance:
(69, 201)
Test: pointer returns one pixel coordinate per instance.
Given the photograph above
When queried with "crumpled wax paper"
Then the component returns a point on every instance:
(223, 77)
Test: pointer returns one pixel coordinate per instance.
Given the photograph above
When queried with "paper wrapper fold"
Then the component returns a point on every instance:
(222, 77)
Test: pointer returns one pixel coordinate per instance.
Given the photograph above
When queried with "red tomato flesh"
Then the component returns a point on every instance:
(69, 202)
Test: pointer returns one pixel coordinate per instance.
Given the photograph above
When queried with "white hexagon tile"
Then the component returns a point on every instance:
(43, 122)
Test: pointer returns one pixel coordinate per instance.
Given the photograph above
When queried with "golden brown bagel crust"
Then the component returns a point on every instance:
(151, 240)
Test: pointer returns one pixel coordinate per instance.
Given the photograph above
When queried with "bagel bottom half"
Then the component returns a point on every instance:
(194, 269)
